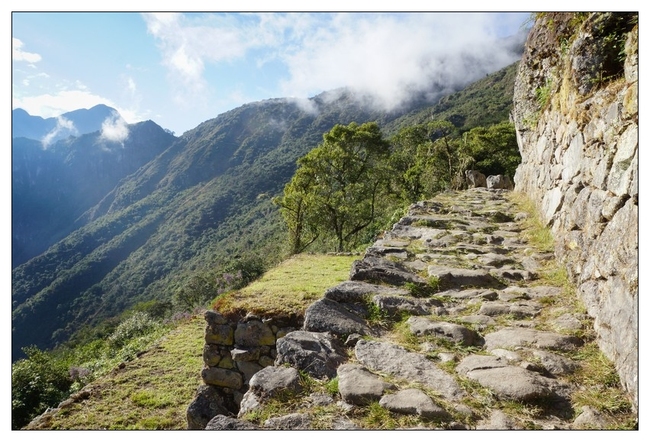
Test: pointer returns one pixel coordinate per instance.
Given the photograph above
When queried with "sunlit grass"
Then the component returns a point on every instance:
(290, 287)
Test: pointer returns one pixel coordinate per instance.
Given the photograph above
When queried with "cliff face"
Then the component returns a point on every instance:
(576, 116)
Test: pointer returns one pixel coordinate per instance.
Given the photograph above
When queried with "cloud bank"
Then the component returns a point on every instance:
(17, 53)
(390, 57)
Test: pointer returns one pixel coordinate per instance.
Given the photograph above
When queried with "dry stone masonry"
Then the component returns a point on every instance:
(446, 310)
(579, 151)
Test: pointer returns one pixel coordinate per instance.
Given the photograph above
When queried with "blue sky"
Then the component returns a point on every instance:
(182, 69)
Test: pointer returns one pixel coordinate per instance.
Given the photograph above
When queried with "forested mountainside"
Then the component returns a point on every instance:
(53, 186)
(200, 203)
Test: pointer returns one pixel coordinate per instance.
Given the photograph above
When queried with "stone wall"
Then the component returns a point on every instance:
(576, 116)
(234, 351)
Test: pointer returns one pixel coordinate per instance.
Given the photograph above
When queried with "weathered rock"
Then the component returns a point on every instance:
(222, 377)
(253, 333)
(392, 359)
(521, 337)
(359, 386)
(518, 310)
(413, 401)
(207, 403)
(395, 305)
(460, 278)
(326, 315)
(245, 354)
(556, 364)
(221, 422)
(318, 354)
(211, 355)
(359, 291)
(474, 178)
(293, 421)
(373, 269)
(271, 381)
(248, 369)
(498, 421)
(219, 334)
(499, 182)
(590, 419)
(507, 382)
(445, 330)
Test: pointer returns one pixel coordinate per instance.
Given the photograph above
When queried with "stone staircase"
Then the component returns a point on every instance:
(449, 321)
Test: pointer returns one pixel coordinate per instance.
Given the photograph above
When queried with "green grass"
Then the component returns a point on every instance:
(151, 392)
(290, 287)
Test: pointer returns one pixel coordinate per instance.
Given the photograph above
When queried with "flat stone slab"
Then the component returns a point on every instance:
(413, 401)
(398, 304)
(518, 310)
(293, 421)
(395, 360)
(359, 386)
(460, 278)
(487, 295)
(506, 381)
(372, 269)
(420, 326)
(524, 337)
(360, 291)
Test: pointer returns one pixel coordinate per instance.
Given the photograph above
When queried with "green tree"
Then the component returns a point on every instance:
(493, 149)
(336, 187)
(427, 158)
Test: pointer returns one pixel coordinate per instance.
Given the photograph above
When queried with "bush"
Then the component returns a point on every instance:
(137, 325)
(37, 382)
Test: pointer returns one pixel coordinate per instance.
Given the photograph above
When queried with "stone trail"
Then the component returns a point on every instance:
(462, 280)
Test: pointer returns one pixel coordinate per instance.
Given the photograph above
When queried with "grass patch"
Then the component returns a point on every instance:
(151, 392)
(535, 230)
(601, 385)
(289, 288)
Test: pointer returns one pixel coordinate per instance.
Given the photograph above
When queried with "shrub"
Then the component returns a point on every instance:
(137, 325)
(37, 382)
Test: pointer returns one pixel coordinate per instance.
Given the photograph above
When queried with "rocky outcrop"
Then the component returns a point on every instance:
(432, 344)
(576, 116)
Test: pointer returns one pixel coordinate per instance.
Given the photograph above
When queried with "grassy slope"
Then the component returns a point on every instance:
(153, 391)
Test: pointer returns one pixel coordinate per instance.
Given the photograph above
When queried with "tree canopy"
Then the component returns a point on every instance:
(335, 188)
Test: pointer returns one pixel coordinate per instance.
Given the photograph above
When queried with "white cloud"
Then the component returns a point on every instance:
(17, 54)
(63, 127)
(53, 105)
(388, 56)
(115, 129)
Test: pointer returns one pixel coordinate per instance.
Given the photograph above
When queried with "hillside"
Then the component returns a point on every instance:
(202, 202)
(153, 391)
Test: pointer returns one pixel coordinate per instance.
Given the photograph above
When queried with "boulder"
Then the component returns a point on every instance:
(326, 315)
(207, 403)
(499, 182)
(318, 354)
(474, 178)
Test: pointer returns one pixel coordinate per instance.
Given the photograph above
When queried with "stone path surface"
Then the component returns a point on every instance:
(445, 319)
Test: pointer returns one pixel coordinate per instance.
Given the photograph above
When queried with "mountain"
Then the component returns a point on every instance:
(53, 187)
(203, 201)
(75, 123)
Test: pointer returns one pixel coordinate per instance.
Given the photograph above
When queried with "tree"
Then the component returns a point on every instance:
(494, 149)
(426, 159)
(335, 188)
